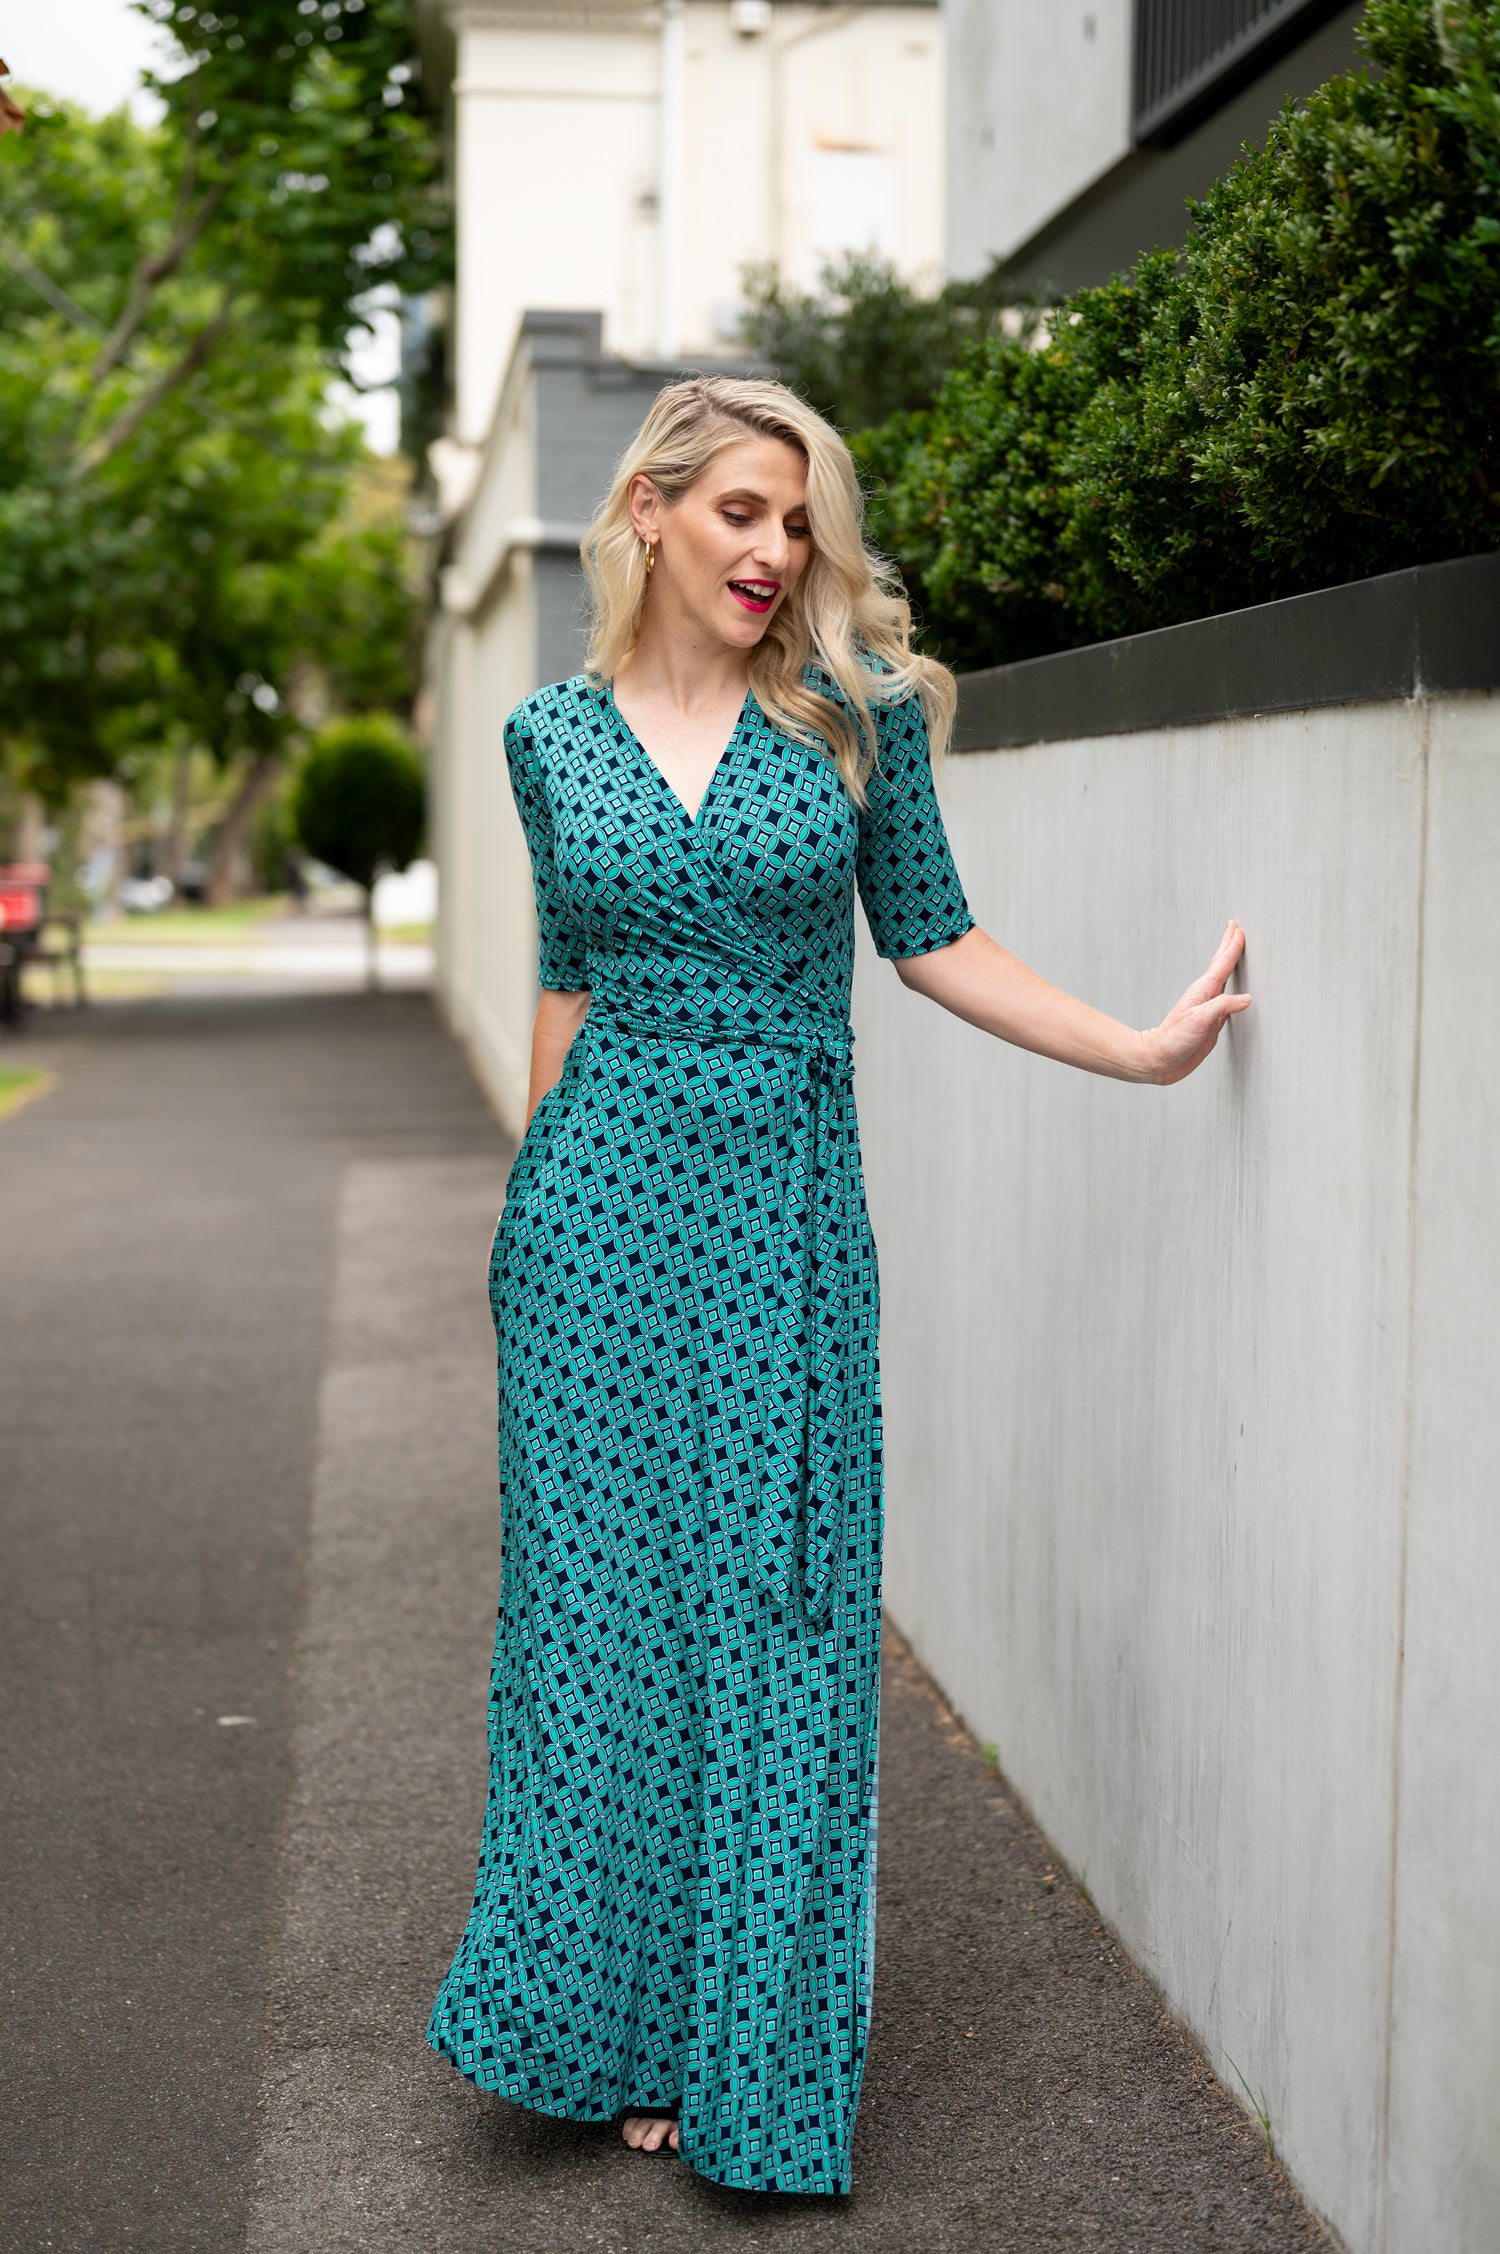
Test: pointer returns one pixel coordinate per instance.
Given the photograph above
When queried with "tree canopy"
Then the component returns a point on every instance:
(293, 176)
(178, 544)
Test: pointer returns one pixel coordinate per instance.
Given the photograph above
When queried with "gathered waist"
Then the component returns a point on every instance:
(826, 1048)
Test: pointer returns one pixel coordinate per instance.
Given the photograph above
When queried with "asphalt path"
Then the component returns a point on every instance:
(251, 1552)
(166, 1243)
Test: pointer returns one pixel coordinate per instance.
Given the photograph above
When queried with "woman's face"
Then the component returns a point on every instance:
(729, 552)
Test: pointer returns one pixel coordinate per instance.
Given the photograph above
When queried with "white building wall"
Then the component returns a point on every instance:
(1191, 1407)
(510, 619)
(482, 664)
(1038, 109)
(825, 135)
(822, 133)
(556, 164)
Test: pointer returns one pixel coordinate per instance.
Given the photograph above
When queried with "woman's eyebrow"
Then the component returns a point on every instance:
(748, 493)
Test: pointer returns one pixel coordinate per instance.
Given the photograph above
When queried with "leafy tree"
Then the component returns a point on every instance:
(359, 802)
(1307, 394)
(353, 612)
(1329, 386)
(210, 576)
(300, 177)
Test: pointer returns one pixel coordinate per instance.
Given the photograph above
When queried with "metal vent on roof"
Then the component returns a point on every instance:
(1191, 55)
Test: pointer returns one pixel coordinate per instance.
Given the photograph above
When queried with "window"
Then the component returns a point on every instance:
(853, 201)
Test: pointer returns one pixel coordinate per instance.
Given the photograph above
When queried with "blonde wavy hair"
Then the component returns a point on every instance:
(846, 613)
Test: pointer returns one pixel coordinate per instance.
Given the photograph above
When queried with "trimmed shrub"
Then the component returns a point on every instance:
(1307, 395)
(359, 798)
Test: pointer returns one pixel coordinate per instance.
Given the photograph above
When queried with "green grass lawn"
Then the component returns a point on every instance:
(208, 927)
(18, 1084)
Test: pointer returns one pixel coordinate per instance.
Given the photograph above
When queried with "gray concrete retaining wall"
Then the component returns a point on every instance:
(1192, 1404)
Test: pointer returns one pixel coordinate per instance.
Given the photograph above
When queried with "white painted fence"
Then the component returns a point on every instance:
(1193, 1405)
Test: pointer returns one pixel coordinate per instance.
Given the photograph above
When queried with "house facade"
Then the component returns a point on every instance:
(635, 160)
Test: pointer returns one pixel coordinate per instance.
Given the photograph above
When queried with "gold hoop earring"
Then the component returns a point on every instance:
(650, 556)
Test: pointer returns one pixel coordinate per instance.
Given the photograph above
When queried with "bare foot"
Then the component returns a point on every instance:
(648, 2132)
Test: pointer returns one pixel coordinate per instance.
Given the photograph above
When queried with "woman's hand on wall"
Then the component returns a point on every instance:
(1189, 1030)
(981, 982)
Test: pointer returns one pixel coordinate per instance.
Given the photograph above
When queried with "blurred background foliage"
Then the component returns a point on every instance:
(866, 344)
(199, 559)
(1306, 394)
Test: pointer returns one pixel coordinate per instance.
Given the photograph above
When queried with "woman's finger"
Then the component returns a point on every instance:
(1226, 955)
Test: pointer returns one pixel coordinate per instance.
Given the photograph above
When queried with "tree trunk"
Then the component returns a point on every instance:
(372, 952)
(30, 822)
(224, 876)
(182, 814)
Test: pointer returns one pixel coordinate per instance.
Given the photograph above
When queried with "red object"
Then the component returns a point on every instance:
(20, 906)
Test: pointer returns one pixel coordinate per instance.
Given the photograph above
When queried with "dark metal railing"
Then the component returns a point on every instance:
(1191, 55)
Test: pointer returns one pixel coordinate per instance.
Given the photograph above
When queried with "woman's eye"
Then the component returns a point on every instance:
(736, 517)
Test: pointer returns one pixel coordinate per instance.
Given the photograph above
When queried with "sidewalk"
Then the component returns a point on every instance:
(320, 952)
(249, 1469)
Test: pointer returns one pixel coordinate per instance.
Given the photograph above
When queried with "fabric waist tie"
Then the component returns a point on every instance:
(801, 1525)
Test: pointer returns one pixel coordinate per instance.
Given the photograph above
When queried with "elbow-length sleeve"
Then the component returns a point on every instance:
(912, 896)
(562, 950)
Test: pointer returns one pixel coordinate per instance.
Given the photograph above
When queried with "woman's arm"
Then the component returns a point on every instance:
(558, 1017)
(977, 980)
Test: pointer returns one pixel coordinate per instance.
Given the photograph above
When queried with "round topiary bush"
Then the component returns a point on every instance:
(360, 798)
(359, 801)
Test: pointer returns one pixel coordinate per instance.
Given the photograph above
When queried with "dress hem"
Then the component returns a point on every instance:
(608, 2120)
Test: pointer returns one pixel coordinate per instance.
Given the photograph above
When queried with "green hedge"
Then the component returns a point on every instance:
(1305, 395)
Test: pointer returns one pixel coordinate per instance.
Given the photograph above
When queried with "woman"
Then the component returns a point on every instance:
(674, 1919)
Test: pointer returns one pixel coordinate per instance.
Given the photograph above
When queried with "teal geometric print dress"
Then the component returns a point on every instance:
(676, 1895)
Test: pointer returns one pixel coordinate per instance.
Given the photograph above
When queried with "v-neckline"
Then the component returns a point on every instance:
(694, 819)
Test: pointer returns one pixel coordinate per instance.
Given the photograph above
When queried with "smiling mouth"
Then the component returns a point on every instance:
(755, 594)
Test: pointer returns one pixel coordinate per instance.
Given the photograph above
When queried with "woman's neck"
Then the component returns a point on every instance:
(685, 669)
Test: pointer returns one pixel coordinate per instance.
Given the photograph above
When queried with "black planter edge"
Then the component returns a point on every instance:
(1412, 633)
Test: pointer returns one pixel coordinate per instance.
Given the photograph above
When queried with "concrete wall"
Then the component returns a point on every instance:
(556, 163)
(1038, 108)
(1194, 1445)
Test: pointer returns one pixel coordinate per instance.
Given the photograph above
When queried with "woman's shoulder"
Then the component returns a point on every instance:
(560, 706)
(884, 693)
(895, 706)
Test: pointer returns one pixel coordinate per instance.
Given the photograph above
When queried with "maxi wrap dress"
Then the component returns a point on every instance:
(676, 1893)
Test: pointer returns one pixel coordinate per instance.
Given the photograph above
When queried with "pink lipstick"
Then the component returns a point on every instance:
(755, 594)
